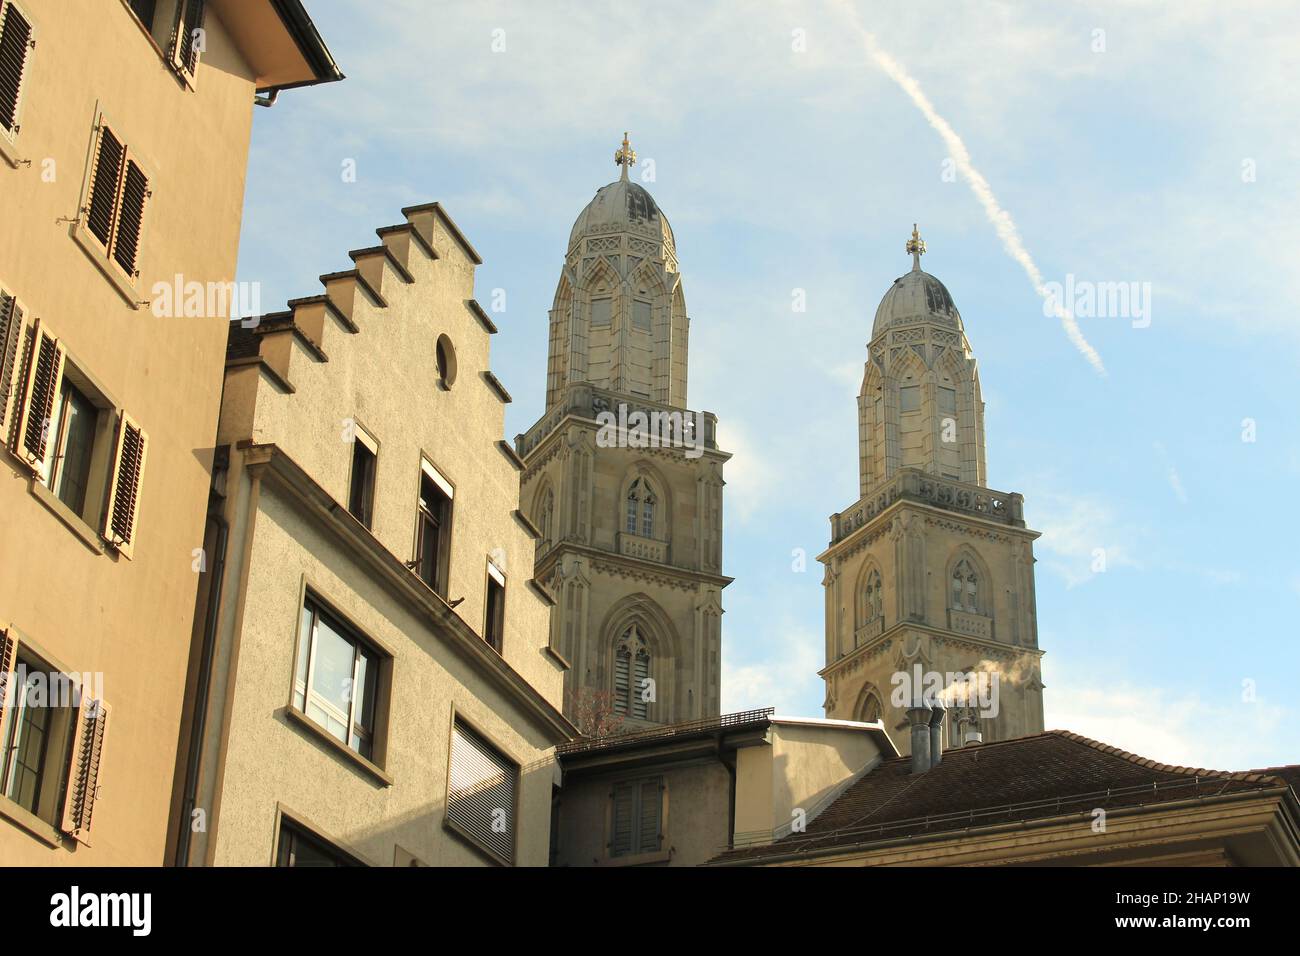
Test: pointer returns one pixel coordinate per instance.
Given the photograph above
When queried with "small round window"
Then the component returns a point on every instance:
(446, 358)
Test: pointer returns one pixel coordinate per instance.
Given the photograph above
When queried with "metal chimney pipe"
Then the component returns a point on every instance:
(919, 715)
(937, 711)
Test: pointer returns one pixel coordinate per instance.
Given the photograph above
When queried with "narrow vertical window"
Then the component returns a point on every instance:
(361, 487)
(433, 529)
(494, 621)
(632, 675)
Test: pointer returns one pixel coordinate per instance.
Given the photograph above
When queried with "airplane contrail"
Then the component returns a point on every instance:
(997, 216)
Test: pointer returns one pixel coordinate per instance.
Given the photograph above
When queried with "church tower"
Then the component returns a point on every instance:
(622, 480)
(929, 572)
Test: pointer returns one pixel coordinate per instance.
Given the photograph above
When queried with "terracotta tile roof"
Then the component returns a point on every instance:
(1040, 776)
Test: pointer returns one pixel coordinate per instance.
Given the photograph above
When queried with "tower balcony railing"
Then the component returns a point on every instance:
(911, 484)
(869, 631)
(588, 401)
(647, 549)
(970, 624)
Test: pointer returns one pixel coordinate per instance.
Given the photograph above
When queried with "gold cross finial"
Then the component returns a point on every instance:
(625, 156)
(916, 246)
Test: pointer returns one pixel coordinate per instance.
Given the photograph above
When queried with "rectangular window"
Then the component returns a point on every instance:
(947, 401)
(494, 624)
(641, 315)
(637, 817)
(188, 36)
(336, 679)
(909, 398)
(144, 10)
(16, 45)
(361, 484)
(433, 528)
(76, 422)
(481, 787)
(299, 847)
(51, 740)
(119, 191)
(601, 311)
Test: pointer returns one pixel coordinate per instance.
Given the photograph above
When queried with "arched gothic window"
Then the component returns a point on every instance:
(631, 671)
(641, 503)
(965, 587)
(870, 710)
(871, 600)
(545, 515)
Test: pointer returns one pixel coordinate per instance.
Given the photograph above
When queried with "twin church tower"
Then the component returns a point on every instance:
(928, 567)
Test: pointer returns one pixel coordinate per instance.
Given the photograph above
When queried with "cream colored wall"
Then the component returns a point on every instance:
(802, 767)
(271, 760)
(129, 620)
(384, 377)
(698, 795)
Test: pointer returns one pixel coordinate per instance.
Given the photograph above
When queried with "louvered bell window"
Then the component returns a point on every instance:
(481, 793)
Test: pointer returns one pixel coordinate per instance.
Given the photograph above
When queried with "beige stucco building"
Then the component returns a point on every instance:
(622, 478)
(124, 134)
(371, 679)
(929, 574)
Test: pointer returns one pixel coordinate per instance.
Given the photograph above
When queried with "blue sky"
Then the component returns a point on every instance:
(1163, 150)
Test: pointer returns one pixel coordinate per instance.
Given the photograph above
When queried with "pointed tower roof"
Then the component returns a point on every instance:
(916, 297)
(623, 206)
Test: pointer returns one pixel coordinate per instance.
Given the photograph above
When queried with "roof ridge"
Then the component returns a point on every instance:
(1246, 775)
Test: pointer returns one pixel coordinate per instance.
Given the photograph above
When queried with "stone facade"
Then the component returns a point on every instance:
(631, 525)
(929, 569)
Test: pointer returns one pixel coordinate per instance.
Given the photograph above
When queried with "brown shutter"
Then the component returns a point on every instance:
(126, 244)
(649, 807)
(42, 391)
(15, 41)
(106, 183)
(8, 658)
(185, 53)
(84, 769)
(13, 356)
(124, 485)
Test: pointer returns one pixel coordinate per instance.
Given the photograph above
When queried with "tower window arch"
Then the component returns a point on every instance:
(544, 515)
(870, 598)
(631, 673)
(641, 505)
(965, 587)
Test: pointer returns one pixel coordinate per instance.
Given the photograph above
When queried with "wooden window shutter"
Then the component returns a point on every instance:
(15, 41)
(622, 826)
(42, 391)
(126, 243)
(84, 770)
(14, 334)
(641, 673)
(8, 657)
(123, 509)
(649, 810)
(481, 791)
(106, 184)
(185, 51)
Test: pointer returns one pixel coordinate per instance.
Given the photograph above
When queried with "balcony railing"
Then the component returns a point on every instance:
(647, 549)
(913, 485)
(869, 631)
(972, 625)
(587, 401)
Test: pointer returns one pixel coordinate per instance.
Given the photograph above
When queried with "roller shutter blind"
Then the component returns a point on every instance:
(481, 792)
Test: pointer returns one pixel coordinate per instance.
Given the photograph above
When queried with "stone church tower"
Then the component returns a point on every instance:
(929, 571)
(623, 481)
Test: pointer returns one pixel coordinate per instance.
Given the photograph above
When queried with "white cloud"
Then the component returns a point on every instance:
(785, 679)
(1081, 537)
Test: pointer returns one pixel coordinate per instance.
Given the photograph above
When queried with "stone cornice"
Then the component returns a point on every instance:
(860, 655)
